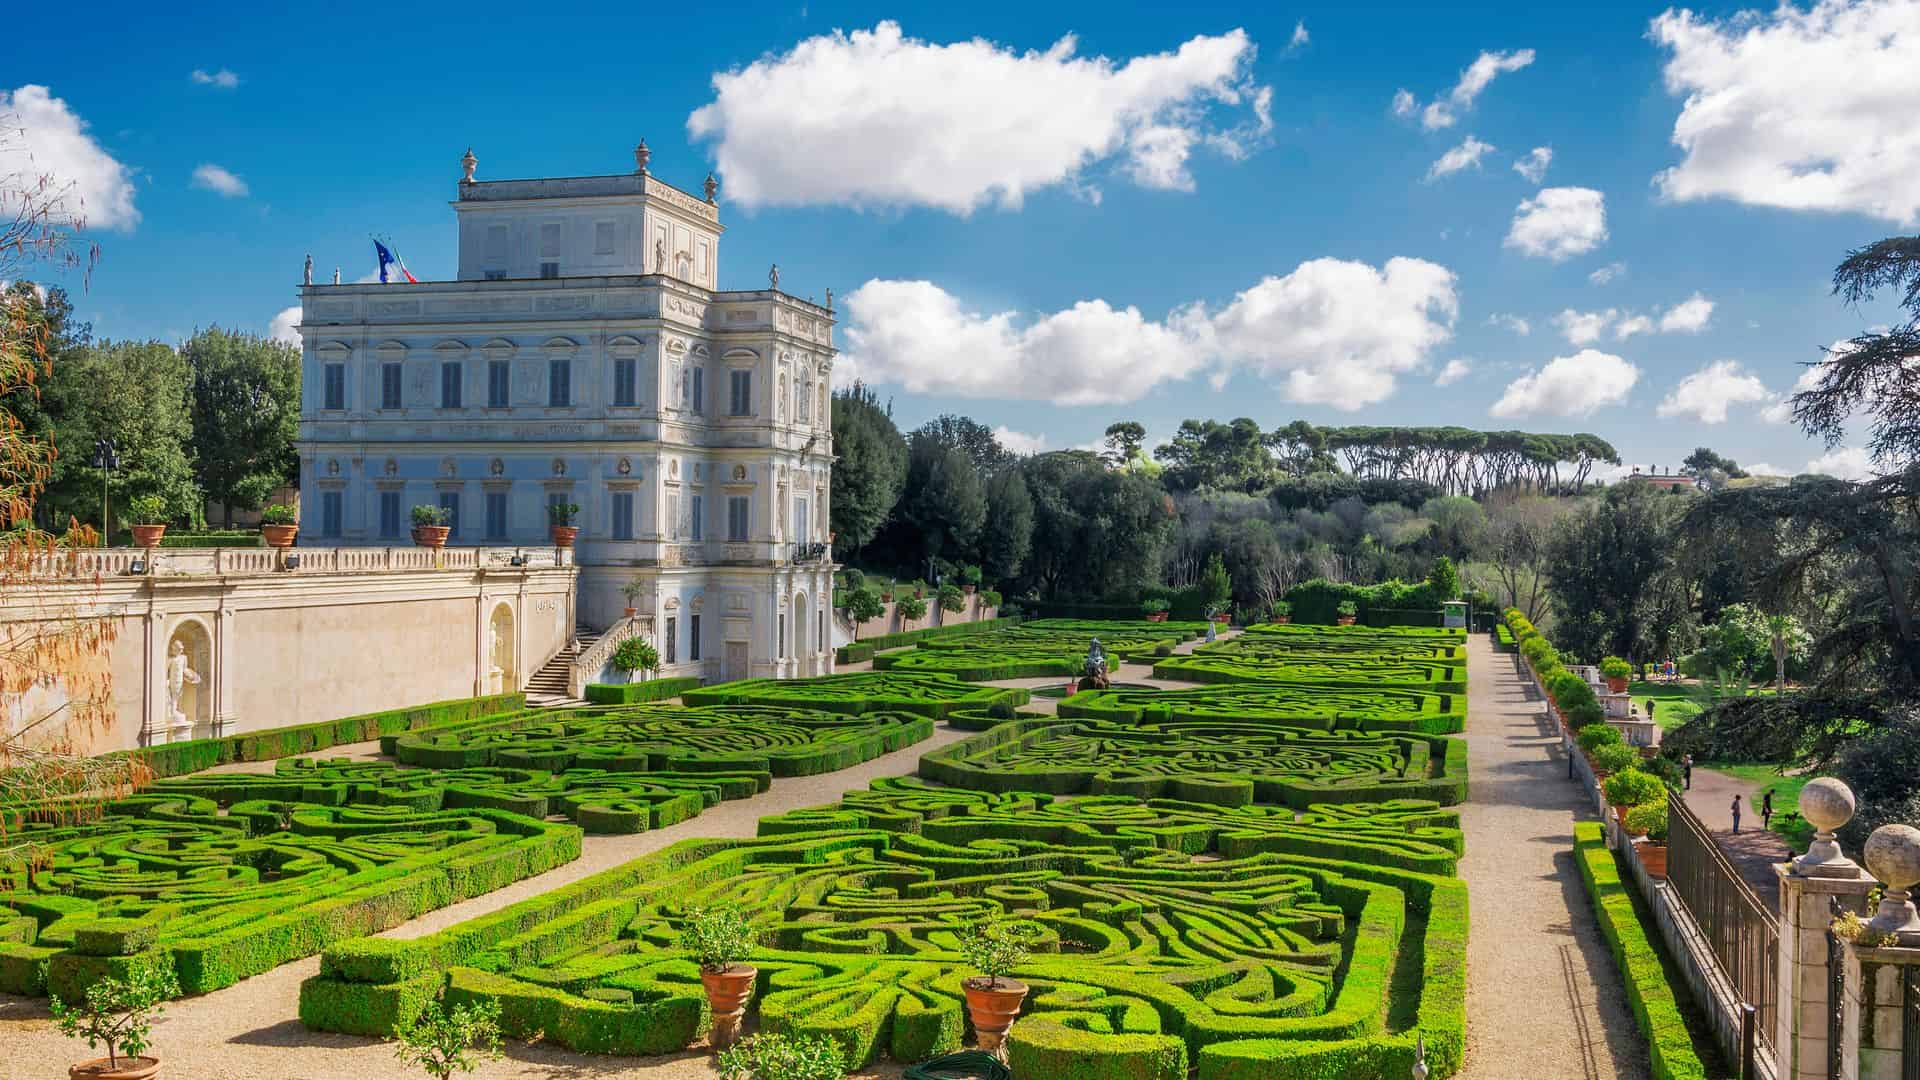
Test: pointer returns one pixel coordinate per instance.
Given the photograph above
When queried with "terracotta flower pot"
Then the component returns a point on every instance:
(1345, 620)
(1158, 616)
(431, 536)
(1654, 858)
(1283, 619)
(993, 1008)
(129, 1068)
(1617, 686)
(563, 535)
(279, 536)
(631, 612)
(1223, 618)
(148, 536)
(727, 994)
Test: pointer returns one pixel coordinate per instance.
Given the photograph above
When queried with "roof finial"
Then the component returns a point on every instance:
(712, 186)
(641, 155)
(467, 163)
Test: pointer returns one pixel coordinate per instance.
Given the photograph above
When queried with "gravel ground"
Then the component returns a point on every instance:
(1544, 999)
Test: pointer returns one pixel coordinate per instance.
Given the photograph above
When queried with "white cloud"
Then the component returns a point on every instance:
(1631, 325)
(1300, 37)
(1569, 386)
(1690, 316)
(1513, 323)
(218, 180)
(1454, 371)
(1465, 156)
(93, 189)
(1607, 273)
(1762, 468)
(1534, 165)
(1330, 332)
(1019, 441)
(1559, 223)
(1799, 108)
(878, 119)
(1845, 462)
(1706, 394)
(224, 79)
(1584, 327)
(1445, 111)
(281, 328)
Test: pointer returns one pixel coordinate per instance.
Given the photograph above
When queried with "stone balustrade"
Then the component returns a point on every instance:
(91, 563)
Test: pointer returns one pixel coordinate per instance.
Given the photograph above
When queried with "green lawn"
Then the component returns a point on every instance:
(1677, 703)
(1786, 797)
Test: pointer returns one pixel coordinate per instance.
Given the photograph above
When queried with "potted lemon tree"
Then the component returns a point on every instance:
(431, 526)
(560, 524)
(117, 1014)
(279, 524)
(719, 938)
(1616, 671)
(994, 948)
(149, 514)
(1346, 613)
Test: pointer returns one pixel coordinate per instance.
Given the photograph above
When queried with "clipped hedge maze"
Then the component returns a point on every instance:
(165, 880)
(612, 770)
(1231, 762)
(1048, 648)
(1328, 708)
(1422, 658)
(933, 695)
(1244, 941)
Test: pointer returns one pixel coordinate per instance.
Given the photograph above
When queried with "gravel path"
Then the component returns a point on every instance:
(1544, 999)
(252, 1030)
(1753, 850)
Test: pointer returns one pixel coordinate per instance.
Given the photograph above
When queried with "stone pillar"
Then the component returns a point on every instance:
(1874, 1011)
(1809, 886)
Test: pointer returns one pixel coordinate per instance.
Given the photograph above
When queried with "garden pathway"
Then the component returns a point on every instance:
(1753, 850)
(1544, 998)
(252, 1029)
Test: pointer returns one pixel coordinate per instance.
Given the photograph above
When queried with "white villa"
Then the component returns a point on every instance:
(586, 355)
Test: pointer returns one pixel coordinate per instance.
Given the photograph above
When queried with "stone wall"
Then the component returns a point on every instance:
(348, 631)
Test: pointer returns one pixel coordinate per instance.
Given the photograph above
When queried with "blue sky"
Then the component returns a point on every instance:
(1189, 210)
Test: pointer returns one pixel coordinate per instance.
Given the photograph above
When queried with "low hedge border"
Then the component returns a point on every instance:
(637, 693)
(855, 652)
(1653, 990)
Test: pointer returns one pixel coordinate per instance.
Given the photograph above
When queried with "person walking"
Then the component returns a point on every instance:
(1686, 763)
(1650, 705)
(1736, 814)
(1766, 810)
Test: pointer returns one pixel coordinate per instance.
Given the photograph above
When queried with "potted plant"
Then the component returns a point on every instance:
(718, 937)
(993, 948)
(886, 593)
(279, 524)
(1631, 787)
(560, 524)
(1649, 822)
(636, 654)
(1282, 611)
(430, 526)
(149, 514)
(769, 1056)
(119, 1014)
(1616, 671)
(1613, 757)
(1155, 609)
(632, 590)
(1346, 613)
(969, 579)
(863, 605)
(443, 1041)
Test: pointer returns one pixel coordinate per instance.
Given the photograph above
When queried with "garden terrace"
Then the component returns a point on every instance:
(166, 880)
(1161, 941)
(1311, 705)
(934, 695)
(1233, 762)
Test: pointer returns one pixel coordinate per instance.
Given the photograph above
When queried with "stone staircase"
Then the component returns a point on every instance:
(547, 688)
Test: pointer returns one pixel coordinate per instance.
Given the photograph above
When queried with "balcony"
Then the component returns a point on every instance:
(809, 553)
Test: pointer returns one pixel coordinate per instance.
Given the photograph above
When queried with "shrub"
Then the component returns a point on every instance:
(717, 937)
(428, 514)
(994, 947)
(1595, 736)
(1649, 819)
(561, 514)
(1615, 757)
(1631, 787)
(442, 1040)
(970, 575)
(1585, 715)
(147, 510)
(118, 1013)
(1282, 609)
(770, 1056)
(279, 514)
(912, 608)
(1615, 668)
(1347, 609)
(952, 599)
(635, 654)
(1154, 606)
(990, 598)
(863, 605)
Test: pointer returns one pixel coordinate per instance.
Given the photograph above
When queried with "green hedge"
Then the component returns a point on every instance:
(858, 651)
(211, 540)
(175, 759)
(1384, 604)
(1330, 708)
(858, 692)
(1654, 990)
(637, 693)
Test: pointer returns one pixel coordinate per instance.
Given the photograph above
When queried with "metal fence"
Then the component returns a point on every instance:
(1744, 935)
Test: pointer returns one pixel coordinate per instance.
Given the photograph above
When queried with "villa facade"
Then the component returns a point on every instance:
(585, 356)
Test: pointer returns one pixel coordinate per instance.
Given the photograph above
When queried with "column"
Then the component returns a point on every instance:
(1809, 888)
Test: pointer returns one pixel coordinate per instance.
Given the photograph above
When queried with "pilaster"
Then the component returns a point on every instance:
(1804, 978)
(1875, 1001)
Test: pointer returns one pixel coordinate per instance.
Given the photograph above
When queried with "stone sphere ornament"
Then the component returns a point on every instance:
(1827, 804)
(1893, 856)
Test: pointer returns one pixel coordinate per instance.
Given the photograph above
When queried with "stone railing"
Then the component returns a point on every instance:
(588, 665)
(225, 562)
